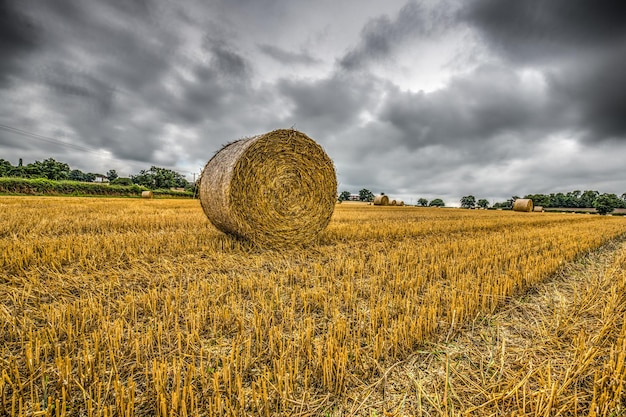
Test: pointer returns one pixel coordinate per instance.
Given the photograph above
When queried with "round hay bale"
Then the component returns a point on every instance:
(399, 203)
(381, 200)
(538, 209)
(523, 204)
(392, 202)
(274, 189)
(147, 194)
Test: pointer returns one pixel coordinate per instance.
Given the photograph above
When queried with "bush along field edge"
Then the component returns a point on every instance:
(41, 186)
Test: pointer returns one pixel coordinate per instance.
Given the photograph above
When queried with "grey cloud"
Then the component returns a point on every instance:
(128, 50)
(83, 86)
(536, 29)
(134, 7)
(579, 45)
(331, 103)
(218, 85)
(113, 96)
(19, 36)
(226, 60)
(288, 57)
(382, 36)
(488, 102)
(595, 92)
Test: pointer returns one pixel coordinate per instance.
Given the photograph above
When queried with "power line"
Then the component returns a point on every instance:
(49, 139)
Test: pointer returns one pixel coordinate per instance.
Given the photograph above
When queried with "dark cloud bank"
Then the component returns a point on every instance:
(537, 107)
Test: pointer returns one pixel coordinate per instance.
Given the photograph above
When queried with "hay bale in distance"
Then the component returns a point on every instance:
(147, 194)
(523, 204)
(392, 202)
(274, 189)
(399, 203)
(538, 209)
(381, 200)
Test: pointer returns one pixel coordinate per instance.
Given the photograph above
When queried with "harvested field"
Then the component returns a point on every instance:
(559, 349)
(120, 307)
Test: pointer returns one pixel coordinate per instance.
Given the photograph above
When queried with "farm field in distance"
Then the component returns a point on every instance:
(124, 307)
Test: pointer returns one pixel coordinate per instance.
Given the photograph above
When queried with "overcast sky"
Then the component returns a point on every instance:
(412, 98)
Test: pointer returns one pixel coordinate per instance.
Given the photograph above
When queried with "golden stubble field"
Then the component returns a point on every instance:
(121, 307)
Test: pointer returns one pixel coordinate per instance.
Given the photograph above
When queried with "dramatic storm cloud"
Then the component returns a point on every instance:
(411, 98)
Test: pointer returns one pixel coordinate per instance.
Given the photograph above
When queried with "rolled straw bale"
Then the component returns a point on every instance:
(392, 202)
(399, 203)
(538, 209)
(381, 200)
(274, 189)
(523, 204)
(147, 194)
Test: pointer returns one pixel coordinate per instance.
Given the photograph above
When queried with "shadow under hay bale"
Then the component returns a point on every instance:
(274, 189)
(381, 200)
(523, 204)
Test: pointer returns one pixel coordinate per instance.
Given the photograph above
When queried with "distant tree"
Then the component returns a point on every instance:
(606, 203)
(422, 202)
(5, 168)
(468, 202)
(573, 198)
(587, 198)
(558, 200)
(508, 204)
(366, 195)
(111, 174)
(437, 202)
(482, 203)
(48, 168)
(344, 196)
(539, 199)
(18, 171)
(156, 178)
(76, 175)
(121, 181)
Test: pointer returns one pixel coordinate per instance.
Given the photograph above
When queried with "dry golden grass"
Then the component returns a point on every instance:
(558, 350)
(141, 307)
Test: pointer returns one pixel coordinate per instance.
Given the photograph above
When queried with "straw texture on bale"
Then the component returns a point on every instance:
(392, 202)
(274, 189)
(146, 194)
(538, 209)
(523, 204)
(399, 203)
(381, 200)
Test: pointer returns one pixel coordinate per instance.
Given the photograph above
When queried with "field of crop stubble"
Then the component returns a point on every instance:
(140, 307)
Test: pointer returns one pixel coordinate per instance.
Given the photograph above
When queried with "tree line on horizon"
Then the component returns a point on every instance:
(603, 203)
(153, 178)
(163, 178)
